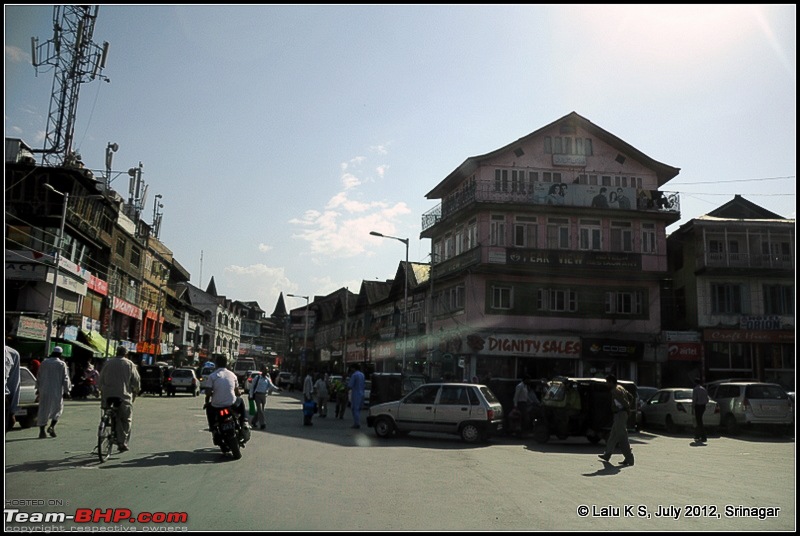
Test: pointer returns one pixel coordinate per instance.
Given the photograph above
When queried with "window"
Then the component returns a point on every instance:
(437, 252)
(624, 303)
(450, 300)
(449, 246)
(121, 246)
(778, 300)
(500, 180)
(726, 298)
(498, 230)
(525, 232)
(136, 256)
(621, 236)
(649, 238)
(589, 233)
(518, 181)
(558, 233)
(459, 241)
(501, 297)
(556, 300)
(472, 234)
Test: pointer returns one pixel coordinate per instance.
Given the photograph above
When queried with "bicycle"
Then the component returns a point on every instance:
(107, 430)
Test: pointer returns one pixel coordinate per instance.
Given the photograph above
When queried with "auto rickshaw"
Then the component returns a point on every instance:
(153, 379)
(578, 407)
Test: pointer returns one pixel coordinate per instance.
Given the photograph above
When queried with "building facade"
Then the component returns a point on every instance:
(548, 256)
(733, 274)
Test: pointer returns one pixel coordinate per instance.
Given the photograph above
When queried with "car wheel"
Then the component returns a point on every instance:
(28, 421)
(384, 427)
(731, 426)
(669, 424)
(541, 433)
(470, 433)
(593, 439)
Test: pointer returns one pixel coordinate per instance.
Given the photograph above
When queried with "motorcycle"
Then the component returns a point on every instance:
(228, 433)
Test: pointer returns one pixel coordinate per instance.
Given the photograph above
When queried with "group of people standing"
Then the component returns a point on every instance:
(317, 394)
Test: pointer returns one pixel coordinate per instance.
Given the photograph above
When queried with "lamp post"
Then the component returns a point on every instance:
(405, 294)
(305, 333)
(60, 237)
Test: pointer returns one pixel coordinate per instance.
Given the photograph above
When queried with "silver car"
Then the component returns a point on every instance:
(469, 410)
(753, 404)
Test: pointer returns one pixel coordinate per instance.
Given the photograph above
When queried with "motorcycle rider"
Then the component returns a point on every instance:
(223, 391)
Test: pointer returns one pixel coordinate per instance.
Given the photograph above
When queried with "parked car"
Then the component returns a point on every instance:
(672, 409)
(286, 380)
(183, 379)
(367, 392)
(753, 404)
(28, 404)
(469, 410)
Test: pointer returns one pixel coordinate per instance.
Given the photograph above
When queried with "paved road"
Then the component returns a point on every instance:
(331, 477)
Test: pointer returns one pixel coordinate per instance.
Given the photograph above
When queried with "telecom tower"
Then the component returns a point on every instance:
(76, 60)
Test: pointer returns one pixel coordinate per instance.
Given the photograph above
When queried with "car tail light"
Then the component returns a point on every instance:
(716, 409)
(490, 414)
(680, 407)
(746, 405)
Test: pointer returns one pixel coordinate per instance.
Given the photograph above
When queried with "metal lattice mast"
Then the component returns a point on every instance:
(76, 60)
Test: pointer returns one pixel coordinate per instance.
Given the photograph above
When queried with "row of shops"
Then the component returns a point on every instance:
(673, 359)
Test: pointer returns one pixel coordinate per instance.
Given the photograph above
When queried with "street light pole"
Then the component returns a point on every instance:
(405, 294)
(59, 239)
(305, 333)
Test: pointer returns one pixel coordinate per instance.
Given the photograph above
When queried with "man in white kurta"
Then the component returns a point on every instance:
(52, 384)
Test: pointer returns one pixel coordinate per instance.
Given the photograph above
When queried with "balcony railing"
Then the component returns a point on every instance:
(744, 260)
(553, 194)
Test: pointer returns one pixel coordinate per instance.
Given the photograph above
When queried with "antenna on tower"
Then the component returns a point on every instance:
(76, 60)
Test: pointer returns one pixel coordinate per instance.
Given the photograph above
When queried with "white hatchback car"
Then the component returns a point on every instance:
(672, 409)
(466, 409)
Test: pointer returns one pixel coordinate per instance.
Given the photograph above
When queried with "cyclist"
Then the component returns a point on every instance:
(119, 380)
(223, 391)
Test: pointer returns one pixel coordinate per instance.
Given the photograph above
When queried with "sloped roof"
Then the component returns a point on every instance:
(736, 210)
(740, 208)
(663, 171)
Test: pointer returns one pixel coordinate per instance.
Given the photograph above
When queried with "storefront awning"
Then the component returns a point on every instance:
(76, 344)
(99, 344)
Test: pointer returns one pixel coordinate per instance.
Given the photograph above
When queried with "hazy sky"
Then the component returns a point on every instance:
(280, 135)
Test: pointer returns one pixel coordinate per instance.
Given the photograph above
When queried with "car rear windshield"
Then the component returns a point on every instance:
(761, 392)
(489, 395)
(683, 395)
(182, 373)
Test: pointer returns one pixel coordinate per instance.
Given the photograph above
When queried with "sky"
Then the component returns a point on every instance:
(279, 136)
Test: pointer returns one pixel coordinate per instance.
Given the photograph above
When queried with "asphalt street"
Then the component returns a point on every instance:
(334, 478)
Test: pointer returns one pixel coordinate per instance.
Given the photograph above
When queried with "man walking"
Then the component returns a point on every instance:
(699, 403)
(356, 384)
(51, 386)
(119, 384)
(260, 387)
(621, 403)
